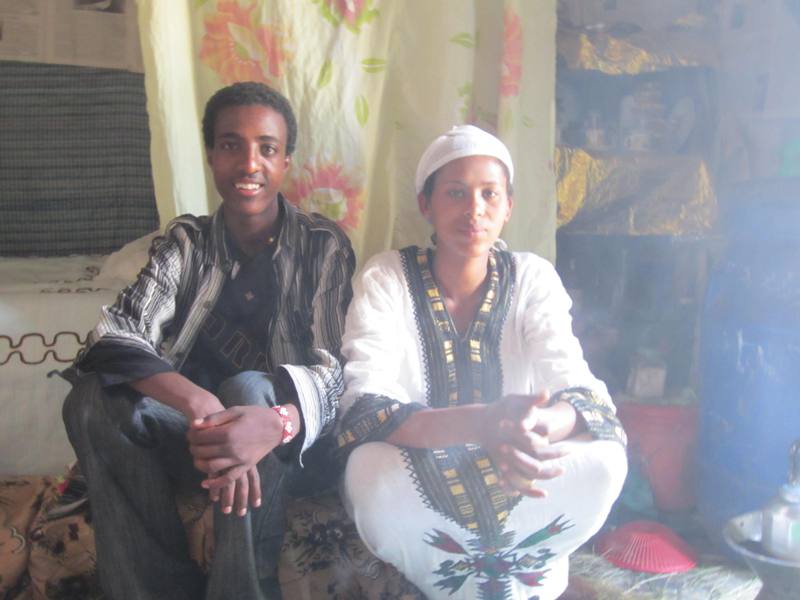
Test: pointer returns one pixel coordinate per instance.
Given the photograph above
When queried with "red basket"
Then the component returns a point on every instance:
(646, 546)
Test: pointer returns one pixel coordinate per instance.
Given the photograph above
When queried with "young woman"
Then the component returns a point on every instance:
(482, 451)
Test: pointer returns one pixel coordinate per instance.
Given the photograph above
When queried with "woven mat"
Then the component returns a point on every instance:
(74, 160)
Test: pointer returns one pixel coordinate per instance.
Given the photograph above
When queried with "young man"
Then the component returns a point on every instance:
(213, 369)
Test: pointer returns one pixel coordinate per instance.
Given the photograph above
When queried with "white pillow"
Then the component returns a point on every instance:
(17, 271)
(125, 263)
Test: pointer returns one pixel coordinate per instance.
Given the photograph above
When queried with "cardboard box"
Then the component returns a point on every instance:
(647, 378)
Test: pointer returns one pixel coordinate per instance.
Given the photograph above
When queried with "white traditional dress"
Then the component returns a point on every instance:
(440, 516)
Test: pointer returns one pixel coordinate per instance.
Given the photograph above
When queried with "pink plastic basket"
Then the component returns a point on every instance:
(646, 546)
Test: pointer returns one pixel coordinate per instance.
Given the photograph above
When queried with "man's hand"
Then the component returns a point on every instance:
(227, 446)
(236, 495)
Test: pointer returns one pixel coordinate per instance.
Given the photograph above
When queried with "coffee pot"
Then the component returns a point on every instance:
(780, 522)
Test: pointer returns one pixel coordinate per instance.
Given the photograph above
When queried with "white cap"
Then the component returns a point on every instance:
(461, 141)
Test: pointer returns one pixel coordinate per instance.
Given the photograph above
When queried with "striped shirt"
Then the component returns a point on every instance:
(164, 310)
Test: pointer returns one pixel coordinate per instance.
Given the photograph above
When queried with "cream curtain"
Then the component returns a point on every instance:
(372, 83)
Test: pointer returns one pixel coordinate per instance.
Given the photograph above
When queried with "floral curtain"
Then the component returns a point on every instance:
(372, 83)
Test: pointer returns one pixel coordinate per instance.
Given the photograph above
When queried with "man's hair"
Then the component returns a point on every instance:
(248, 93)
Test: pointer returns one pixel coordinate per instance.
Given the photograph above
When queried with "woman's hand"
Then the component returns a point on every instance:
(517, 432)
(522, 428)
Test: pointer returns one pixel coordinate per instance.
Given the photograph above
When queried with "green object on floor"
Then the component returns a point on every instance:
(637, 495)
(790, 159)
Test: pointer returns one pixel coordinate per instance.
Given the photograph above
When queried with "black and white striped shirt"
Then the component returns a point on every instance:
(163, 311)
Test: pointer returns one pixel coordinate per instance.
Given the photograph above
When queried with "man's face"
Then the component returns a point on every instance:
(249, 159)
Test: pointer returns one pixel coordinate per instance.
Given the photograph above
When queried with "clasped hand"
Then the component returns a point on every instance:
(227, 446)
(521, 432)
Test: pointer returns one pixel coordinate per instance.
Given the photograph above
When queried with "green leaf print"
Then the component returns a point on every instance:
(362, 110)
(527, 121)
(464, 39)
(554, 527)
(506, 119)
(352, 16)
(247, 46)
(325, 74)
(373, 65)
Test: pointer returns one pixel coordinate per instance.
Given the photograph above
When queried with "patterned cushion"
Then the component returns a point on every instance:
(62, 562)
(20, 500)
(62, 555)
(322, 555)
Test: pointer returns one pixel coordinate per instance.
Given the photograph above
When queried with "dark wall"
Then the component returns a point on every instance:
(74, 160)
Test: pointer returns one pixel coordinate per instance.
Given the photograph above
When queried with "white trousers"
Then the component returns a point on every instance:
(444, 560)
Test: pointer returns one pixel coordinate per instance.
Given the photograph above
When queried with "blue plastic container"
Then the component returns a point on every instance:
(750, 356)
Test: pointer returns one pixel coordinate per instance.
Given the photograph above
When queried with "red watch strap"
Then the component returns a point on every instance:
(286, 421)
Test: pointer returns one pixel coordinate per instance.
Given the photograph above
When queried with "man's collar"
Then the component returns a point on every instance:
(288, 225)
(218, 248)
(220, 254)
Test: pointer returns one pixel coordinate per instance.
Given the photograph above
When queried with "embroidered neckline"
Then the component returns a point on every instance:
(472, 338)
(460, 483)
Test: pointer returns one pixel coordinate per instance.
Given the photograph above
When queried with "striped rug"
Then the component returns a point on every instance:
(74, 160)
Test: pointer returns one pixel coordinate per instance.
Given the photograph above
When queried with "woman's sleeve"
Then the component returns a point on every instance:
(376, 339)
(554, 352)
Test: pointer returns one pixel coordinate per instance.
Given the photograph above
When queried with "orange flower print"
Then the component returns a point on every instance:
(512, 54)
(239, 48)
(326, 190)
(353, 13)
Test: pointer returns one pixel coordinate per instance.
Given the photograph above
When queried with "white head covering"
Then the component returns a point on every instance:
(461, 141)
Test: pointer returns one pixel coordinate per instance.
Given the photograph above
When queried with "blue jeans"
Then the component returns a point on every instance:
(134, 454)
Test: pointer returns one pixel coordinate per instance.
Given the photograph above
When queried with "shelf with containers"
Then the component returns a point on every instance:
(637, 211)
(634, 122)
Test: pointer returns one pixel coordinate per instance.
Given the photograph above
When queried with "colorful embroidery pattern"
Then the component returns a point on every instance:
(460, 483)
(466, 370)
(372, 417)
(495, 566)
(598, 416)
(238, 47)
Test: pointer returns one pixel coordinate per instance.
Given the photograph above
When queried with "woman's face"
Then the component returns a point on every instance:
(468, 206)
